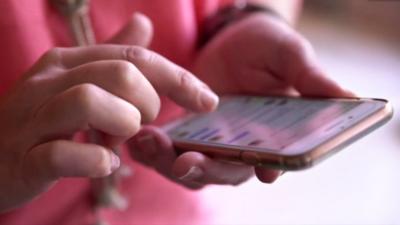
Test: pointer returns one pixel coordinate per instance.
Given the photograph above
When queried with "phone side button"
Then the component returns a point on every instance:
(249, 157)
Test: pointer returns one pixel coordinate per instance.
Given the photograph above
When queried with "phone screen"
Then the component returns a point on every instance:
(274, 124)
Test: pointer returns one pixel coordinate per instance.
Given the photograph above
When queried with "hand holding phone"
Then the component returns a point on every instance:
(278, 132)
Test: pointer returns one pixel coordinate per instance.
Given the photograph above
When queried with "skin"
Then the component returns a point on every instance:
(274, 59)
(288, 9)
(109, 88)
(116, 88)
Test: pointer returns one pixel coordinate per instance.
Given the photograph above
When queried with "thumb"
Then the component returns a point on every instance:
(152, 147)
(138, 31)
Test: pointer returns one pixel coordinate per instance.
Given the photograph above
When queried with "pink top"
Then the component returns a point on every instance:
(31, 27)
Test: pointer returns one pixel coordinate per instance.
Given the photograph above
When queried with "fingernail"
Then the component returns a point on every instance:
(209, 100)
(194, 173)
(115, 162)
(147, 144)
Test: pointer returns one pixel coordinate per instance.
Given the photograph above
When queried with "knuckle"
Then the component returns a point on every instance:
(125, 74)
(295, 46)
(33, 83)
(295, 53)
(85, 92)
(85, 96)
(185, 78)
(123, 67)
(52, 56)
(135, 53)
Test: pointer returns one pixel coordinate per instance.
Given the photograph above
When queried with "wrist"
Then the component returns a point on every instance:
(288, 9)
(230, 15)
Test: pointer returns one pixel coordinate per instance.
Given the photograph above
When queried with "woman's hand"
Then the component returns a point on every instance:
(194, 170)
(258, 55)
(108, 88)
(261, 54)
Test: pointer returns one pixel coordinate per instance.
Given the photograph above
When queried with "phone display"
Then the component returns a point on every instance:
(288, 133)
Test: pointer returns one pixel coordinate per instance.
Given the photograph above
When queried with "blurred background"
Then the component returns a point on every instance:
(358, 43)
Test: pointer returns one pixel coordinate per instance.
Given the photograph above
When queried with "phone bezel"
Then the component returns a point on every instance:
(274, 159)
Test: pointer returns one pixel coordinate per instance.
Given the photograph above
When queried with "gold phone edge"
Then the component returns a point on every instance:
(301, 161)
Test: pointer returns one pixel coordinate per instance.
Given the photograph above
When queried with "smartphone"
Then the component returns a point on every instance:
(287, 133)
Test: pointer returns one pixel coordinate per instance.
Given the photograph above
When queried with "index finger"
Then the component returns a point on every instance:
(166, 77)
